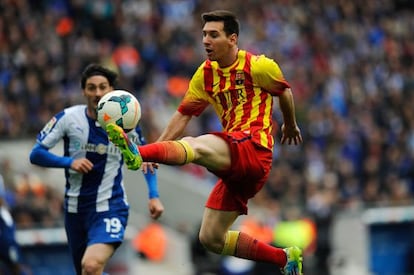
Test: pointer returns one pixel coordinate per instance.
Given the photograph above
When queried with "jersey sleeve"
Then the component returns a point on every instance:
(53, 131)
(268, 75)
(195, 99)
(47, 138)
(41, 156)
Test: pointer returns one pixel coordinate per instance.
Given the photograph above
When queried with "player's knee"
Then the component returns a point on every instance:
(190, 146)
(210, 242)
(198, 144)
(199, 149)
(191, 142)
(92, 266)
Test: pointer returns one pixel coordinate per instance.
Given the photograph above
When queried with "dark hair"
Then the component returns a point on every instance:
(230, 22)
(96, 69)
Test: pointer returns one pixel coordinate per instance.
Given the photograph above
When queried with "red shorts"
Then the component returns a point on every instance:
(250, 167)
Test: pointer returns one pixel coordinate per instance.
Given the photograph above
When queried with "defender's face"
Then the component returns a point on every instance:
(217, 44)
(95, 88)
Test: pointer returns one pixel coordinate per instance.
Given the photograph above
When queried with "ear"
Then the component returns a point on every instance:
(233, 39)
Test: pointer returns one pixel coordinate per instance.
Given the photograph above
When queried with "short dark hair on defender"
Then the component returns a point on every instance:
(230, 22)
(96, 69)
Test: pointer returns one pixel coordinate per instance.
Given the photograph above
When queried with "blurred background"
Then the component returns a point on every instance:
(345, 196)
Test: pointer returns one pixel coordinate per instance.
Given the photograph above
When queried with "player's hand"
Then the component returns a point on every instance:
(149, 167)
(82, 165)
(291, 135)
(155, 208)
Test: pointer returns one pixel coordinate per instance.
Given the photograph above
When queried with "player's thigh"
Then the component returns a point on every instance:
(99, 252)
(211, 151)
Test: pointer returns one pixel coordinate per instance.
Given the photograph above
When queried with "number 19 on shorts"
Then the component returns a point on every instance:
(112, 225)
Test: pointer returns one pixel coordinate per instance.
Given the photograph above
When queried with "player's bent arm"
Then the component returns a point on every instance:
(175, 127)
(290, 130)
(288, 108)
(41, 156)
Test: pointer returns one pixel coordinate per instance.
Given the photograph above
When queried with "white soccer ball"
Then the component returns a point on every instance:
(119, 107)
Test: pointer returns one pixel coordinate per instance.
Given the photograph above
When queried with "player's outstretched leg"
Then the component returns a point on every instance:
(129, 150)
(294, 261)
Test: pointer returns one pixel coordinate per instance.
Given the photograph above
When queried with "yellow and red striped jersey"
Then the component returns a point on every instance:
(241, 94)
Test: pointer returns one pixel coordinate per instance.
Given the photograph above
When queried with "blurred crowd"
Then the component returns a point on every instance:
(350, 65)
(33, 203)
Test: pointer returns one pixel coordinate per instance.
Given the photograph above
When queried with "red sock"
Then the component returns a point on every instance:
(166, 152)
(252, 249)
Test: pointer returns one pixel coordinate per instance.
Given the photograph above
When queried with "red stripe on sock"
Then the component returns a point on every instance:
(166, 152)
(252, 249)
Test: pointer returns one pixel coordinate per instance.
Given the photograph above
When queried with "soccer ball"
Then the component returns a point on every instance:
(119, 107)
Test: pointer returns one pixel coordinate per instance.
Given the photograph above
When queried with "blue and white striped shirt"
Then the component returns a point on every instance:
(101, 188)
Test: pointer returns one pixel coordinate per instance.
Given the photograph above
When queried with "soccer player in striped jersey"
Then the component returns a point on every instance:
(96, 207)
(241, 87)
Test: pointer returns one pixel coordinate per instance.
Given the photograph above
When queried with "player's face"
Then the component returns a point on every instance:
(218, 45)
(95, 88)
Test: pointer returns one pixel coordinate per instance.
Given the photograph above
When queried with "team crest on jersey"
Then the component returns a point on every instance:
(239, 78)
(101, 148)
(49, 126)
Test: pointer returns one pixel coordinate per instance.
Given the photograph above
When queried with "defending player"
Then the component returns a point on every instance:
(96, 207)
